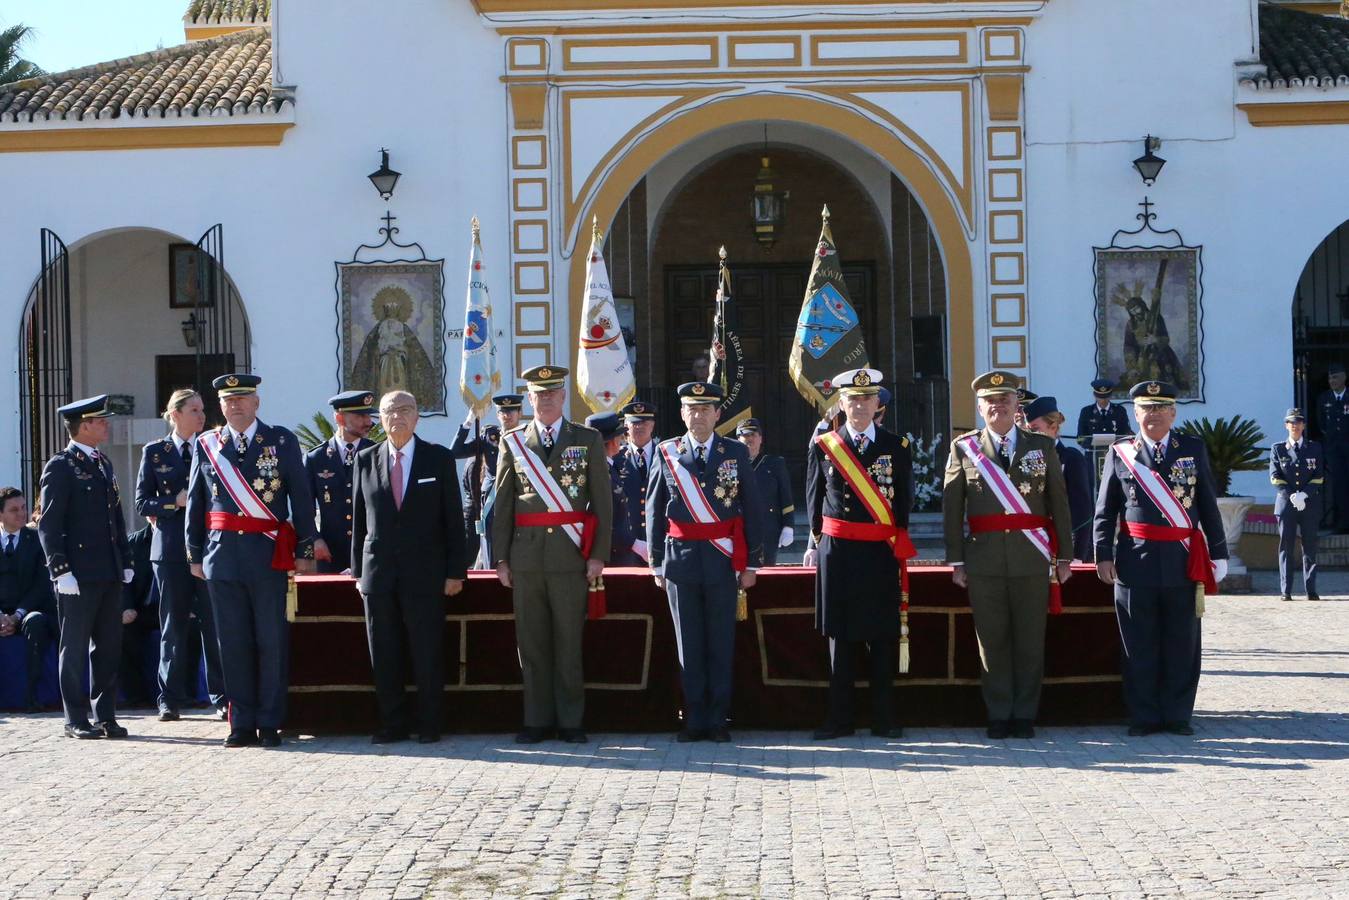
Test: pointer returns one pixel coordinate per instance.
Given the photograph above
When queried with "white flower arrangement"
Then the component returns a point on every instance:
(929, 466)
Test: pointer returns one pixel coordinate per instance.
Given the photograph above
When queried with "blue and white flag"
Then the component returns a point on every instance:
(478, 376)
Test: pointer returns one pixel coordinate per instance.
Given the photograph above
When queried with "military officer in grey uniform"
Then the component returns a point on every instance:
(1101, 416)
(161, 497)
(776, 510)
(995, 553)
(330, 467)
(552, 524)
(248, 479)
(703, 471)
(1332, 418)
(1297, 470)
(83, 534)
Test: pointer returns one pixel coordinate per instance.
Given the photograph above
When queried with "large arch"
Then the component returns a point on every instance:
(614, 187)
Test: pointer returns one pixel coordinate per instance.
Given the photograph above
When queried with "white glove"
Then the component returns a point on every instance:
(1219, 569)
(640, 548)
(809, 560)
(787, 538)
(1299, 500)
(127, 575)
(66, 584)
(468, 419)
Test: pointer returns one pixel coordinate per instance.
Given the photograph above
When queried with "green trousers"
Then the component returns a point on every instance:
(550, 616)
(1009, 620)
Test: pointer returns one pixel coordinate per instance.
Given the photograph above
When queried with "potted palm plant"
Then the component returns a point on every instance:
(323, 431)
(1233, 445)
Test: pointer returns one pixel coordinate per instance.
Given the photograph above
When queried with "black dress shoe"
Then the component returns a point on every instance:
(690, 736)
(1143, 730)
(1313, 596)
(428, 737)
(269, 737)
(720, 735)
(532, 735)
(112, 729)
(830, 732)
(999, 731)
(168, 715)
(572, 736)
(1181, 728)
(388, 736)
(890, 732)
(1288, 598)
(83, 732)
(1022, 728)
(242, 737)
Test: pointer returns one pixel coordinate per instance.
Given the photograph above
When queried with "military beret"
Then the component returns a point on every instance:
(1294, 415)
(993, 383)
(353, 402)
(545, 378)
(886, 397)
(639, 409)
(88, 408)
(1102, 387)
(1153, 393)
(748, 426)
(236, 383)
(1041, 406)
(609, 425)
(698, 392)
(858, 381)
(508, 401)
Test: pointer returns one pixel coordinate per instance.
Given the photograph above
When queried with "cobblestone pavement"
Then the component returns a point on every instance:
(1257, 803)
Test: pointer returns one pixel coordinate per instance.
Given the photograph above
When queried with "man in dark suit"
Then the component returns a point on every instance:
(1160, 484)
(250, 520)
(84, 537)
(27, 608)
(612, 431)
(407, 555)
(1297, 470)
(1101, 416)
(705, 548)
(859, 490)
(774, 492)
(161, 497)
(329, 467)
(1043, 417)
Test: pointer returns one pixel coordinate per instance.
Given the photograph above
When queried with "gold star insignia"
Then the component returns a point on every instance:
(1025, 487)
(259, 484)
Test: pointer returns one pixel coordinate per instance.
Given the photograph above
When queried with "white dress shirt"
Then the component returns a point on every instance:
(233, 436)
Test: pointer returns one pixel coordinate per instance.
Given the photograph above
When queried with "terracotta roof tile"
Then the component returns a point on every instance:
(226, 76)
(1301, 50)
(228, 12)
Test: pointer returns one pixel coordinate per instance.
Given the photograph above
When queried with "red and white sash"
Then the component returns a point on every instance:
(691, 492)
(1010, 498)
(553, 496)
(1156, 488)
(240, 491)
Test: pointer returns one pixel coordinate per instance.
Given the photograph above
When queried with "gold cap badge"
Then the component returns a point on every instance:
(1154, 388)
(232, 381)
(862, 378)
(995, 379)
(698, 390)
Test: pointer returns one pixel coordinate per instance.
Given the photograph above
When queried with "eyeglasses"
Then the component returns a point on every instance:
(398, 411)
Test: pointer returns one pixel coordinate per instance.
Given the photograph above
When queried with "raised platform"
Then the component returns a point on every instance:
(632, 676)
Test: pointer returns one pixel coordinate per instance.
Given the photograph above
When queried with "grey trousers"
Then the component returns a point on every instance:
(704, 623)
(91, 641)
(1291, 522)
(1009, 620)
(250, 619)
(550, 617)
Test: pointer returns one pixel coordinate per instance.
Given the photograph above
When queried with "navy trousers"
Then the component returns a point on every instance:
(1161, 643)
(254, 638)
(181, 596)
(91, 640)
(704, 623)
(1291, 523)
(843, 681)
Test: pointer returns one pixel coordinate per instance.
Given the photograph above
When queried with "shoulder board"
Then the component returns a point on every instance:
(974, 433)
(581, 426)
(520, 427)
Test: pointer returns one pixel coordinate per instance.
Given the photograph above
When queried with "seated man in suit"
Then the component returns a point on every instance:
(27, 607)
(407, 555)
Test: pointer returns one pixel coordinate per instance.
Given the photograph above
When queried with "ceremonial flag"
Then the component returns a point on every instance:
(727, 367)
(478, 376)
(828, 336)
(603, 374)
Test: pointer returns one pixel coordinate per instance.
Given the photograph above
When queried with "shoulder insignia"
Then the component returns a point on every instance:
(973, 433)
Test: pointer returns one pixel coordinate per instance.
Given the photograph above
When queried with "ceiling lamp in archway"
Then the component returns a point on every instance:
(768, 206)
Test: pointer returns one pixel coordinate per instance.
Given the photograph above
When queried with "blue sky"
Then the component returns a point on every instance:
(73, 33)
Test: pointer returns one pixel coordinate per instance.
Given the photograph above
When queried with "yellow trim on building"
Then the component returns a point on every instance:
(1295, 112)
(142, 137)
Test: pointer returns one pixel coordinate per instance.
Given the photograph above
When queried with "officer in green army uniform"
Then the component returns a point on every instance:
(1005, 511)
(551, 534)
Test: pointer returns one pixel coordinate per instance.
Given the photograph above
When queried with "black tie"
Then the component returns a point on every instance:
(187, 453)
(700, 455)
(1292, 453)
(641, 462)
(9, 545)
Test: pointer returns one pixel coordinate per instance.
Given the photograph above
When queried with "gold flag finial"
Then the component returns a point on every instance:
(477, 226)
(595, 229)
(721, 253)
(824, 213)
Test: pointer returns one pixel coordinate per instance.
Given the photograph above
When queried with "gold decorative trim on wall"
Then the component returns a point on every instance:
(735, 42)
(1013, 264)
(1004, 97)
(523, 158)
(520, 361)
(1265, 115)
(1004, 185)
(521, 307)
(1009, 352)
(1009, 222)
(522, 231)
(143, 137)
(819, 44)
(522, 186)
(995, 45)
(571, 46)
(541, 268)
(1007, 310)
(529, 100)
(518, 48)
(1004, 143)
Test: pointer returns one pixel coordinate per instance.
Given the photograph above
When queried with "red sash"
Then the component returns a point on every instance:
(1199, 567)
(588, 521)
(732, 529)
(871, 531)
(882, 527)
(283, 555)
(1022, 522)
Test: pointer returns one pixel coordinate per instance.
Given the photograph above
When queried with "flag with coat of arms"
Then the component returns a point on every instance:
(603, 372)
(479, 379)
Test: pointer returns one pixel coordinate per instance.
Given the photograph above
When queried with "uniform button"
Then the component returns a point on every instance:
(550, 530)
(348, 517)
(241, 532)
(348, 501)
(348, 534)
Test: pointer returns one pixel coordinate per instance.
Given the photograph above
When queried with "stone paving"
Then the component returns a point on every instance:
(1257, 803)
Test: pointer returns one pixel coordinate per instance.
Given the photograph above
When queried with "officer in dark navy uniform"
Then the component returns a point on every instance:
(1043, 417)
(330, 466)
(248, 478)
(1332, 419)
(638, 459)
(1297, 470)
(480, 475)
(701, 580)
(1139, 551)
(161, 497)
(1101, 416)
(612, 432)
(776, 510)
(84, 537)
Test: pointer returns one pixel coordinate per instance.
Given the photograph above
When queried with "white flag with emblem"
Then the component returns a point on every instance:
(603, 372)
(478, 376)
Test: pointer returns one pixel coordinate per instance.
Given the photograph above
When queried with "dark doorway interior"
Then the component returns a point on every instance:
(180, 370)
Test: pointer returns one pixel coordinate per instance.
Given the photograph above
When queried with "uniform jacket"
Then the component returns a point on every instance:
(635, 479)
(1094, 420)
(163, 473)
(1307, 474)
(415, 547)
(623, 535)
(274, 466)
(1077, 478)
(773, 490)
(890, 463)
(1185, 469)
(729, 484)
(24, 583)
(1332, 416)
(477, 477)
(1037, 473)
(140, 592)
(330, 480)
(82, 528)
(579, 466)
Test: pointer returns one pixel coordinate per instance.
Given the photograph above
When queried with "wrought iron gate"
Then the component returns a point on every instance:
(45, 362)
(222, 331)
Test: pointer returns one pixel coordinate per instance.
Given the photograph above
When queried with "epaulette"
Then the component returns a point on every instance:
(974, 433)
(520, 427)
(1124, 439)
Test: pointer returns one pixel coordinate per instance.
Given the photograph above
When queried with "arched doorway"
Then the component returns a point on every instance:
(134, 313)
(1321, 317)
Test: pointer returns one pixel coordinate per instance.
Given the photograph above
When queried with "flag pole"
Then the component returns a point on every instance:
(475, 488)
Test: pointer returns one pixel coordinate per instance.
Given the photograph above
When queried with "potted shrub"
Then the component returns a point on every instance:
(1233, 445)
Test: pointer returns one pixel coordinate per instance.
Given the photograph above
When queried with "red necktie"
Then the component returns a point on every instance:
(398, 479)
